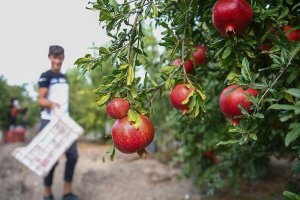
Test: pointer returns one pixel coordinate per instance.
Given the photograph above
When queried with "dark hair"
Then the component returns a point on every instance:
(56, 50)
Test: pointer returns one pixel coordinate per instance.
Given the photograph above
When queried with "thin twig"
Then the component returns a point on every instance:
(183, 45)
(133, 29)
(275, 81)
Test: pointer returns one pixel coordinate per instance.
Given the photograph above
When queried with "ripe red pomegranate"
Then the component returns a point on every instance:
(188, 65)
(231, 16)
(179, 93)
(199, 55)
(128, 139)
(229, 102)
(292, 36)
(117, 108)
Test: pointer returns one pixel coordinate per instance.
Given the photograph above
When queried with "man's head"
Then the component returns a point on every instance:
(56, 56)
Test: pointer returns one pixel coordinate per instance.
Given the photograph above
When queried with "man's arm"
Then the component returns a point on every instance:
(43, 101)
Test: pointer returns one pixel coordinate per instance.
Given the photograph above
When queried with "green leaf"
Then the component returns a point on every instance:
(103, 50)
(282, 107)
(192, 103)
(284, 13)
(130, 75)
(153, 82)
(170, 83)
(133, 116)
(146, 79)
(227, 52)
(293, 134)
(105, 15)
(123, 66)
(114, 4)
(227, 142)
(259, 115)
(294, 91)
(112, 152)
(155, 10)
(167, 69)
(296, 168)
(133, 92)
(291, 196)
(197, 108)
(202, 95)
(103, 99)
(235, 130)
(253, 136)
(243, 110)
(246, 70)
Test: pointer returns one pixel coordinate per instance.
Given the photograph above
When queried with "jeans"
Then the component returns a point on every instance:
(72, 156)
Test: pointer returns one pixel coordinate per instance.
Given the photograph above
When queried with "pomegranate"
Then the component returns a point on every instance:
(292, 36)
(189, 66)
(265, 48)
(229, 102)
(179, 93)
(231, 16)
(177, 62)
(209, 154)
(128, 139)
(117, 108)
(199, 55)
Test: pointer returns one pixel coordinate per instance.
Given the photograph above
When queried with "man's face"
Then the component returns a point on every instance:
(56, 62)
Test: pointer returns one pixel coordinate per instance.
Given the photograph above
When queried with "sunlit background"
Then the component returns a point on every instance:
(29, 27)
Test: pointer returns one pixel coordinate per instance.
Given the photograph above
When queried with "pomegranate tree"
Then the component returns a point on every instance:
(178, 95)
(238, 58)
(129, 139)
(233, 96)
(117, 108)
(231, 16)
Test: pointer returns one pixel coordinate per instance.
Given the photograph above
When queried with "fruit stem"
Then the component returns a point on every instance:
(143, 153)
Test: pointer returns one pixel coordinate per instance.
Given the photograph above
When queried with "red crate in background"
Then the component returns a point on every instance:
(14, 135)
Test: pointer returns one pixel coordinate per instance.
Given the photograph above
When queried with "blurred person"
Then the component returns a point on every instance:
(13, 112)
(54, 94)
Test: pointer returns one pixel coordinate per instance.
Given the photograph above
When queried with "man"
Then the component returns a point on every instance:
(54, 94)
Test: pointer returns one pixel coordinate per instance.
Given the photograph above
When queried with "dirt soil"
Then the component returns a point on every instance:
(126, 178)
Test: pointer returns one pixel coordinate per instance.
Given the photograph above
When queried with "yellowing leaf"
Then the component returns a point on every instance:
(202, 95)
(130, 75)
(103, 99)
(187, 99)
(133, 116)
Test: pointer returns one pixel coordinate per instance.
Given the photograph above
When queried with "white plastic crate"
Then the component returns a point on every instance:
(52, 141)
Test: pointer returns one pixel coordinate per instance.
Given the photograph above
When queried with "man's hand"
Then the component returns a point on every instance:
(44, 102)
(54, 106)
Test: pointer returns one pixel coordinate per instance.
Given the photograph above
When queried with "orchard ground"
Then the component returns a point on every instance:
(127, 177)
